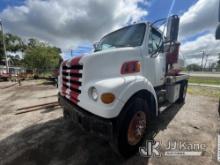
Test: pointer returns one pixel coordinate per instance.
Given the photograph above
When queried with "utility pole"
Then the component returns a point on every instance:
(4, 47)
(203, 54)
(207, 56)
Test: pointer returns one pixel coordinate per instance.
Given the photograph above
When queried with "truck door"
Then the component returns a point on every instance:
(155, 59)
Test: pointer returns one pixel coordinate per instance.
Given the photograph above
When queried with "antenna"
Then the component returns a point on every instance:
(168, 15)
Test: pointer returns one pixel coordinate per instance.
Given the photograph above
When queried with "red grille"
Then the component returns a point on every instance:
(71, 75)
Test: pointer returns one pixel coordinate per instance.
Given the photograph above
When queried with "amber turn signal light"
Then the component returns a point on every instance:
(107, 98)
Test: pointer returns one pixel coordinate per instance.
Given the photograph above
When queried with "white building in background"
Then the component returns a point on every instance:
(12, 70)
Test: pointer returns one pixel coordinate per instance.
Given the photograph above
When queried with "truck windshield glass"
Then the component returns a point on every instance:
(130, 36)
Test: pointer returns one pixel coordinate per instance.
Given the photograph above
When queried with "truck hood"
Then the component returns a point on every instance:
(107, 64)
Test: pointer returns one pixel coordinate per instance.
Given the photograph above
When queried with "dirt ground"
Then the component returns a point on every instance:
(43, 137)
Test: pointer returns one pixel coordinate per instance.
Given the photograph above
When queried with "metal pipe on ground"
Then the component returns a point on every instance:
(38, 108)
(39, 105)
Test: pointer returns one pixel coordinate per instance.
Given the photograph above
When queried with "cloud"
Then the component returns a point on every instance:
(201, 16)
(67, 23)
(192, 50)
(199, 22)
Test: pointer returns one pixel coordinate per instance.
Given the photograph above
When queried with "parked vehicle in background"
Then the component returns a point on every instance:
(14, 72)
(126, 83)
(4, 76)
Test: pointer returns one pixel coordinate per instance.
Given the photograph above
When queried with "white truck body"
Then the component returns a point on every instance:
(102, 72)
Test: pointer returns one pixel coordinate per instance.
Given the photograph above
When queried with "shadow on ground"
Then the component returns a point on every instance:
(62, 142)
(163, 120)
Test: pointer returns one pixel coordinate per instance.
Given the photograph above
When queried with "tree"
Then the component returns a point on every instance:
(15, 60)
(1, 49)
(40, 57)
(13, 43)
(194, 67)
(213, 65)
(218, 62)
(33, 42)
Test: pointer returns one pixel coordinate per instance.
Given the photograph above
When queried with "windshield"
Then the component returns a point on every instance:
(130, 36)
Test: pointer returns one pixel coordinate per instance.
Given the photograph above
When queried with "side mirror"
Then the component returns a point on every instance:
(172, 28)
(217, 33)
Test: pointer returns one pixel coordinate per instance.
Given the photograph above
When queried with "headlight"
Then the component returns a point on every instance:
(94, 93)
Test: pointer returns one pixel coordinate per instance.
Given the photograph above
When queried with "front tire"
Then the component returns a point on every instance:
(131, 126)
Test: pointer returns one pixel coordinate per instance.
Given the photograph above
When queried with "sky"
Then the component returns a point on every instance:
(73, 25)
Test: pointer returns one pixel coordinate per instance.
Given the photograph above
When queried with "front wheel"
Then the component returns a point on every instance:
(131, 126)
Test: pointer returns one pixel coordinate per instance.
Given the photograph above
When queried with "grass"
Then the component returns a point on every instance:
(204, 91)
(46, 75)
(205, 80)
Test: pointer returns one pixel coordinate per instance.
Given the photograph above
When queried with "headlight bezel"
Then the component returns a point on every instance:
(93, 93)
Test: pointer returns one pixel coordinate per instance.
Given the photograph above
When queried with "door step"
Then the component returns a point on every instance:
(164, 106)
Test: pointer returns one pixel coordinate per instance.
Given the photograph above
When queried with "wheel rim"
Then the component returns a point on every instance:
(137, 127)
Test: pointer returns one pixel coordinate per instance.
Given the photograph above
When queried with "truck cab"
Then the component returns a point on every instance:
(124, 84)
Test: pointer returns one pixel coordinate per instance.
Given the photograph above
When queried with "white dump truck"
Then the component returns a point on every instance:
(124, 84)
